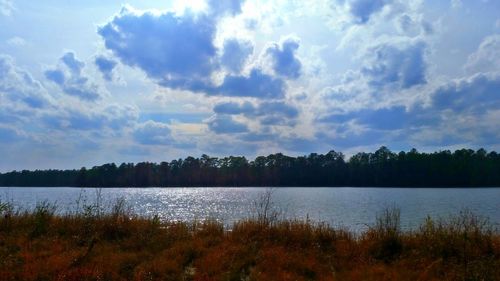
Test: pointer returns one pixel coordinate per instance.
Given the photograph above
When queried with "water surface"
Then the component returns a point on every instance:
(354, 208)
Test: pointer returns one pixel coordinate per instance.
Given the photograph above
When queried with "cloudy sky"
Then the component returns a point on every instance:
(89, 82)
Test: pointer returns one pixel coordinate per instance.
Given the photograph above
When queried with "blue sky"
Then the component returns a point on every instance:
(87, 83)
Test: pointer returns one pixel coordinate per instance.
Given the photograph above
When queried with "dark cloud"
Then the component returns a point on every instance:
(56, 76)
(106, 66)
(475, 94)
(224, 124)
(177, 52)
(82, 89)
(400, 64)
(236, 53)
(73, 82)
(223, 7)
(258, 84)
(70, 60)
(269, 113)
(166, 46)
(474, 99)
(153, 133)
(234, 108)
(283, 58)
(362, 10)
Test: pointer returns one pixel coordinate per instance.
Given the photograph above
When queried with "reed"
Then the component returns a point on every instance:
(118, 245)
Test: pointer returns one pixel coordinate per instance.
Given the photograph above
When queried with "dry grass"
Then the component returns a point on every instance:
(116, 245)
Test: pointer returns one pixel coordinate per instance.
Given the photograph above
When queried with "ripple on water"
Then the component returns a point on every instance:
(354, 208)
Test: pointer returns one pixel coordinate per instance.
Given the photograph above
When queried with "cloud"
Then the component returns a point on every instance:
(55, 75)
(111, 117)
(33, 122)
(267, 113)
(462, 111)
(83, 89)
(73, 82)
(487, 56)
(153, 133)
(223, 7)
(17, 85)
(390, 118)
(106, 66)
(16, 41)
(398, 64)
(365, 138)
(283, 58)
(234, 108)
(413, 25)
(361, 11)
(456, 4)
(224, 124)
(166, 46)
(277, 107)
(257, 84)
(178, 52)
(72, 62)
(236, 53)
(6, 7)
(476, 94)
(9, 135)
(224, 146)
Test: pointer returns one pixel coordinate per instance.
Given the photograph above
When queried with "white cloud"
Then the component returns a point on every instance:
(486, 58)
(6, 7)
(19, 86)
(456, 4)
(16, 41)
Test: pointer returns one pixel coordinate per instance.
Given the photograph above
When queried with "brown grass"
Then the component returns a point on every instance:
(91, 245)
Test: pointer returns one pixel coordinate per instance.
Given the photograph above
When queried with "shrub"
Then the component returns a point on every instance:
(386, 235)
(44, 211)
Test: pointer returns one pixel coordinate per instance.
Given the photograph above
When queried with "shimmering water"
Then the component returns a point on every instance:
(354, 208)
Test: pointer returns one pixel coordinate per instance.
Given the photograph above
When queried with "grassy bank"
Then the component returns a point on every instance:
(116, 245)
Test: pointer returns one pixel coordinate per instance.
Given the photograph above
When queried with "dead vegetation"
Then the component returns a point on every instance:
(117, 245)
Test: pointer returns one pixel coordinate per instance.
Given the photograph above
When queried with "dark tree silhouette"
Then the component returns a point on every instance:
(464, 167)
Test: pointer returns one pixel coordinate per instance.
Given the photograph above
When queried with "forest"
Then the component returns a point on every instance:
(461, 168)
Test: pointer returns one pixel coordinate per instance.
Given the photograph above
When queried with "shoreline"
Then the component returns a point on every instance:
(119, 245)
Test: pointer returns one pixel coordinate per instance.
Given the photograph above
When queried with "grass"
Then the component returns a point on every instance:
(117, 245)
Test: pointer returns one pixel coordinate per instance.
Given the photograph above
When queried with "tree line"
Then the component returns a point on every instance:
(461, 168)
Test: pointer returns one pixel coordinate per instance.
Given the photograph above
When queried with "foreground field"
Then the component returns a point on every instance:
(116, 245)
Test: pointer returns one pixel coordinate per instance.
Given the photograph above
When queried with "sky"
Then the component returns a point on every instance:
(84, 83)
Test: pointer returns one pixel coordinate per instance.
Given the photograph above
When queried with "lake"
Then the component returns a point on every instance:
(354, 208)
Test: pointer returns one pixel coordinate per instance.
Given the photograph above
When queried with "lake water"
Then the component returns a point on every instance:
(354, 208)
